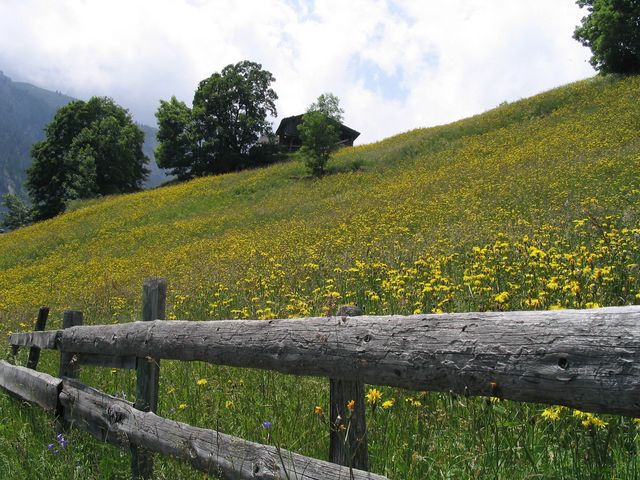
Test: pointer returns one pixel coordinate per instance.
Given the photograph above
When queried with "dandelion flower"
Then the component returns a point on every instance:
(202, 381)
(590, 420)
(502, 297)
(552, 414)
(373, 396)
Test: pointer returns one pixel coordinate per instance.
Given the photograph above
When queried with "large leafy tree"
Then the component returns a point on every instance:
(91, 148)
(320, 132)
(218, 134)
(612, 32)
(176, 150)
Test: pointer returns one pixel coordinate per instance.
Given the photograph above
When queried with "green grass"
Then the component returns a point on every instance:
(533, 205)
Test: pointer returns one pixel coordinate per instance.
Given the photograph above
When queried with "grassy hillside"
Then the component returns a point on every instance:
(533, 205)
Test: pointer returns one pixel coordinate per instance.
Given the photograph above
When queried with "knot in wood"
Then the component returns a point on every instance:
(349, 311)
(191, 450)
(116, 414)
(261, 471)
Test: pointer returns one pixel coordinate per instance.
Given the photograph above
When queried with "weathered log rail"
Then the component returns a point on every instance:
(585, 359)
(115, 420)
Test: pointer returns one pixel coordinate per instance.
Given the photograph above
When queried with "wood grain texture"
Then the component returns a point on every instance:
(112, 419)
(154, 295)
(69, 366)
(34, 352)
(107, 361)
(30, 385)
(587, 359)
(148, 366)
(350, 448)
(35, 339)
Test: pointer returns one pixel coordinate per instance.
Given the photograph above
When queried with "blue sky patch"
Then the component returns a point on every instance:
(390, 86)
(304, 8)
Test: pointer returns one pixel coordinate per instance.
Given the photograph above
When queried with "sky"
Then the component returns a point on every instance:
(396, 65)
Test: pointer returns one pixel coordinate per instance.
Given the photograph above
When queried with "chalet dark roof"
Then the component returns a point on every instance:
(287, 132)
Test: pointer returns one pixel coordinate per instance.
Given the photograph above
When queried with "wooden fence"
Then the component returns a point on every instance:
(585, 359)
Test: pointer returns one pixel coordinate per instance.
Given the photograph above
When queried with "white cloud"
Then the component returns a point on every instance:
(395, 65)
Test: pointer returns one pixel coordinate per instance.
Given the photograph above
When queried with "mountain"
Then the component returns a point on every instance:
(157, 175)
(24, 112)
(534, 205)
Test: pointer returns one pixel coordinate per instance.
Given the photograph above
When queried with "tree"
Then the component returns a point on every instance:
(91, 148)
(329, 105)
(612, 32)
(175, 149)
(228, 117)
(320, 132)
(17, 213)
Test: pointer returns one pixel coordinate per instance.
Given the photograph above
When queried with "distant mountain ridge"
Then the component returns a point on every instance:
(24, 112)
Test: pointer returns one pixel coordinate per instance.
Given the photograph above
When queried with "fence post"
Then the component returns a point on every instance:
(34, 352)
(351, 451)
(154, 297)
(69, 367)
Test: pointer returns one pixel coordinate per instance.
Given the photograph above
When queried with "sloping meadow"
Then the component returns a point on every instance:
(533, 205)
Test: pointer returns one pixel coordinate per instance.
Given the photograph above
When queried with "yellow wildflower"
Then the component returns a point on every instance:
(388, 404)
(502, 297)
(202, 381)
(351, 404)
(552, 413)
(592, 420)
(373, 396)
(553, 284)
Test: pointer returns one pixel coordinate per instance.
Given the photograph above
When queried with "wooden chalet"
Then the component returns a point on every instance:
(289, 138)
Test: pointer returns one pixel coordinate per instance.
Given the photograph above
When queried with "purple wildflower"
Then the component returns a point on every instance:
(62, 441)
(267, 425)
